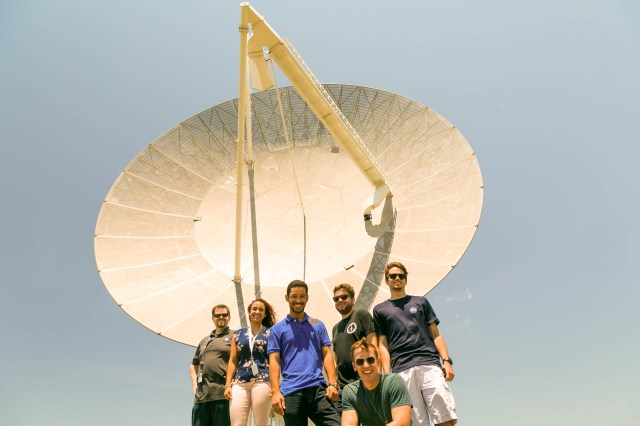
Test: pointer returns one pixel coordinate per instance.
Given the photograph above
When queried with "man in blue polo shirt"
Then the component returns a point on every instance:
(298, 348)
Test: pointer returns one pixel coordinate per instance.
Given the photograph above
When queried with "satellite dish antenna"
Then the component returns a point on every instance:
(341, 179)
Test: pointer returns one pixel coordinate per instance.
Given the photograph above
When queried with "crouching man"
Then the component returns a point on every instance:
(375, 399)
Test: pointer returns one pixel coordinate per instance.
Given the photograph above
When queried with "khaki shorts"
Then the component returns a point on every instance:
(430, 395)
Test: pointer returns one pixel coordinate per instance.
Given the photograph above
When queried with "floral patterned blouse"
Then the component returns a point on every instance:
(260, 357)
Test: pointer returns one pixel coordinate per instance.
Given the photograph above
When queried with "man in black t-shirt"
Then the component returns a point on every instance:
(355, 324)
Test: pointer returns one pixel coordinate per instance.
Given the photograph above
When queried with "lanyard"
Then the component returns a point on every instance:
(374, 403)
(253, 341)
(201, 354)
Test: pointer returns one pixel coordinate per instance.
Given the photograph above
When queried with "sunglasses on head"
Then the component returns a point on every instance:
(341, 297)
(370, 360)
(394, 276)
(220, 315)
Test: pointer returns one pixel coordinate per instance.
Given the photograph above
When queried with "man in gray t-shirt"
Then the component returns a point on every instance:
(208, 373)
(375, 399)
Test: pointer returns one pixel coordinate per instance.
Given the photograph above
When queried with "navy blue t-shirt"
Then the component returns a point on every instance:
(405, 322)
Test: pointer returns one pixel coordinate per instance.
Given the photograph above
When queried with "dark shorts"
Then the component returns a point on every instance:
(211, 413)
(310, 403)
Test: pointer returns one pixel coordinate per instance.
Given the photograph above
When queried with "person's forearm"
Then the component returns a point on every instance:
(398, 423)
(274, 376)
(193, 373)
(438, 341)
(277, 400)
(350, 418)
(385, 358)
(441, 347)
(330, 368)
(400, 416)
(231, 372)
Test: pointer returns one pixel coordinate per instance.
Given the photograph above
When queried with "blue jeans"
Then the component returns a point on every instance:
(211, 413)
(310, 403)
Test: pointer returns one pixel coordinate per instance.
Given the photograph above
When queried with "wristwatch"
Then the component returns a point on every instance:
(335, 385)
(449, 360)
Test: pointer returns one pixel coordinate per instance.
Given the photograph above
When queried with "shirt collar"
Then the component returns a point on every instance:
(222, 333)
(289, 318)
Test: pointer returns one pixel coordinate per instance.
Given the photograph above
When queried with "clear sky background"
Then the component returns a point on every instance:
(540, 315)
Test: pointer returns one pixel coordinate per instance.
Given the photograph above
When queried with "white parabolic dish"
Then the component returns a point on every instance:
(164, 239)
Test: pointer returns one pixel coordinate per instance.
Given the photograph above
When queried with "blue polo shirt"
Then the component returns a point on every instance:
(300, 346)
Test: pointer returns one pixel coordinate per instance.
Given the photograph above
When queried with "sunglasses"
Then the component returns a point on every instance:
(370, 360)
(341, 297)
(220, 315)
(401, 276)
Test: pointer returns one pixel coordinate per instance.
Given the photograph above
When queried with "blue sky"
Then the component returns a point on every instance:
(538, 315)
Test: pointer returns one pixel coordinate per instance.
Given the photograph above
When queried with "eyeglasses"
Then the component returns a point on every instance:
(401, 276)
(220, 315)
(341, 297)
(370, 360)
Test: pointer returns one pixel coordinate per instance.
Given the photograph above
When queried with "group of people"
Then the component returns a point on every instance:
(390, 368)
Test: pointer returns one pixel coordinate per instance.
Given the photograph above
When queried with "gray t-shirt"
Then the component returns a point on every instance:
(374, 407)
(214, 350)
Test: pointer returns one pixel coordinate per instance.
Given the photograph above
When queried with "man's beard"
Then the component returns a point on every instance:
(346, 309)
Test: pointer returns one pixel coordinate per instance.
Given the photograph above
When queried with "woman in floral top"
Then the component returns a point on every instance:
(248, 384)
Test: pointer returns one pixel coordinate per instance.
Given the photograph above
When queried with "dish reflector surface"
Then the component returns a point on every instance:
(164, 239)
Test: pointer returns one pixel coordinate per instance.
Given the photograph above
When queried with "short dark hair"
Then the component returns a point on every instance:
(346, 287)
(366, 345)
(221, 307)
(394, 265)
(269, 313)
(297, 283)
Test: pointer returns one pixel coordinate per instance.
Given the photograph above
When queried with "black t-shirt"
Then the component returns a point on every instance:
(346, 333)
(405, 322)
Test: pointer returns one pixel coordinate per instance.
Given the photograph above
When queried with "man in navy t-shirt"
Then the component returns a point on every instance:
(412, 346)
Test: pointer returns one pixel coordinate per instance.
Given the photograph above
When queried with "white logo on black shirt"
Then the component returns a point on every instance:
(352, 328)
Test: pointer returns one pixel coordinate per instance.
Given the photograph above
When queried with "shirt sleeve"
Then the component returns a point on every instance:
(366, 323)
(429, 314)
(236, 336)
(273, 344)
(196, 356)
(379, 323)
(324, 336)
(398, 392)
(348, 398)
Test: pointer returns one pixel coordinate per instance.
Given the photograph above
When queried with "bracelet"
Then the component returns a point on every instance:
(335, 385)
(228, 386)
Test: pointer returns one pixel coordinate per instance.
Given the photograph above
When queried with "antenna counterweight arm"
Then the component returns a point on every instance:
(314, 94)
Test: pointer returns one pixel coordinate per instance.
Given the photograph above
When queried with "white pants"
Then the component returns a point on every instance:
(430, 395)
(247, 396)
